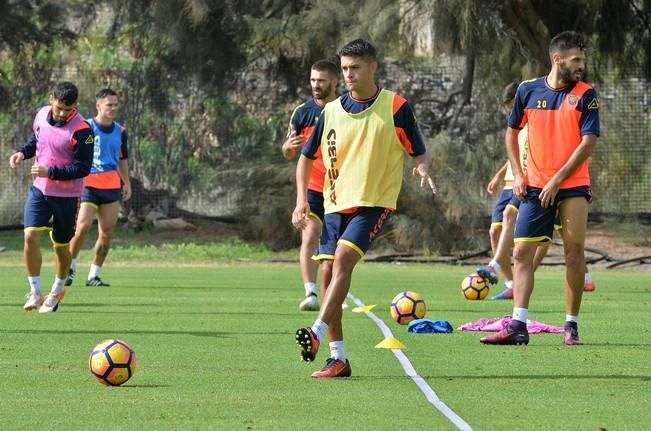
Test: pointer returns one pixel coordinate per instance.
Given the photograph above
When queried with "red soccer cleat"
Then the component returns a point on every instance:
(308, 342)
(507, 336)
(333, 368)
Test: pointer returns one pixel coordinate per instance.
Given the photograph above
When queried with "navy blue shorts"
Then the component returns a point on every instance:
(357, 230)
(503, 199)
(535, 223)
(39, 209)
(515, 203)
(315, 200)
(96, 197)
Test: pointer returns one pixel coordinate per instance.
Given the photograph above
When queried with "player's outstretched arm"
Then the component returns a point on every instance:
(421, 169)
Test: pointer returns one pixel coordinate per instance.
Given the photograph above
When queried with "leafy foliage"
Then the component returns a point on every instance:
(207, 85)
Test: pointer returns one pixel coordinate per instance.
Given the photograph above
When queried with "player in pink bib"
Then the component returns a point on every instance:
(61, 144)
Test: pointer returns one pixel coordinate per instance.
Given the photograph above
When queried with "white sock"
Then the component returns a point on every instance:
(73, 265)
(35, 284)
(588, 277)
(94, 271)
(520, 314)
(493, 264)
(58, 286)
(337, 350)
(508, 284)
(319, 328)
(570, 318)
(310, 288)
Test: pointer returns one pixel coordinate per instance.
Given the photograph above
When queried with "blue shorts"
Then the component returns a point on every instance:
(96, 197)
(356, 230)
(514, 203)
(315, 200)
(535, 223)
(503, 199)
(39, 209)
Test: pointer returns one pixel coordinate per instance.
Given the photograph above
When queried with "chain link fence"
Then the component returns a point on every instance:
(180, 140)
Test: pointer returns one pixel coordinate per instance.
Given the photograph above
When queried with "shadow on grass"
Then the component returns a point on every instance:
(144, 386)
(112, 331)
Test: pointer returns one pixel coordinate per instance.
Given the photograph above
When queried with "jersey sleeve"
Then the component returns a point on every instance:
(295, 122)
(407, 128)
(589, 107)
(124, 151)
(518, 117)
(29, 148)
(313, 143)
(83, 139)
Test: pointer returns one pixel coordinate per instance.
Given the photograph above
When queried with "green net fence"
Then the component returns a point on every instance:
(178, 137)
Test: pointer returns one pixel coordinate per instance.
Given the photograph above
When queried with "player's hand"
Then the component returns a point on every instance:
(492, 185)
(15, 159)
(519, 187)
(126, 192)
(38, 170)
(425, 179)
(293, 145)
(300, 215)
(548, 194)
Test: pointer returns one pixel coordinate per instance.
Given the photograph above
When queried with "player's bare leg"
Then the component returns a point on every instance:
(574, 218)
(85, 218)
(107, 216)
(32, 252)
(310, 338)
(502, 257)
(309, 267)
(523, 277)
(33, 261)
(494, 235)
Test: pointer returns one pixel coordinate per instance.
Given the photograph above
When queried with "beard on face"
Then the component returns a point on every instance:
(322, 93)
(567, 75)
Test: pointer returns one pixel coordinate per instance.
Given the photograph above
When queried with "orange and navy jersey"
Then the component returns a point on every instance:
(304, 119)
(110, 147)
(404, 122)
(557, 120)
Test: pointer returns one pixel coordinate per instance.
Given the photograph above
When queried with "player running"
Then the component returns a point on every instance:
(107, 184)
(62, 144)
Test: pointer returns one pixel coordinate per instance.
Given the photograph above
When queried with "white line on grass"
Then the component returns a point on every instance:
(411, 372)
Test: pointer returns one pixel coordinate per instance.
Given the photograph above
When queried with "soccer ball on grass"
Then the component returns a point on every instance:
(407, 306)
(474, 287)
(112, 362)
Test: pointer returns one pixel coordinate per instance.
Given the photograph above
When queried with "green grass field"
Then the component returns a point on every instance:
(215, 347)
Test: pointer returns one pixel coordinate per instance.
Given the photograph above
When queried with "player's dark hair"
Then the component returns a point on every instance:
(566, 40)
(105, 92)
(326, 66)
(509, 92)
(359, 48)
(65, 92)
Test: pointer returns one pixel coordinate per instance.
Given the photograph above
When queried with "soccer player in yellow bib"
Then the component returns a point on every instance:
(363, 136)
